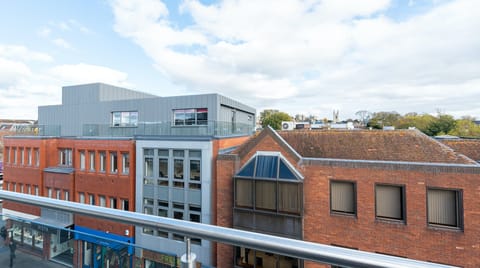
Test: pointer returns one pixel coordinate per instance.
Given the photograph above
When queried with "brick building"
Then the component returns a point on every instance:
(391, 192)
(122, 149)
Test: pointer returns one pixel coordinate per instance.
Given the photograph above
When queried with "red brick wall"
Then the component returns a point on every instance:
(415, 239)
(117, 185)
(225, 172)
(24, 174)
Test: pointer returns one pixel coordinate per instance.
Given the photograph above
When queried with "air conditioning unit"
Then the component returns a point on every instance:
(288, 125)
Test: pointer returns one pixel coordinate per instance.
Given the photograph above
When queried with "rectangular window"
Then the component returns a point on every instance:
(22, 156)
(91, 199)
(113, 162)
(103, 201)
(243, 193)
(36, 190)
(49, 192)
(66, 195)
(178, 173)
(29, 156)
(103, 161)
(265, 194)
(148, 167)
(58, 193)
(21, 188)
(125, 163)
(124, 204)
(188, 117)
(389, 202)
(342, 197)
(91, 160)
(37, 157)
(65, 157)
(29, 189)
(289, 198)
(445, 207)
(14, 155)
(113, 202)
(82, 160)
(7, 154)
(81, 198)
(125, 119)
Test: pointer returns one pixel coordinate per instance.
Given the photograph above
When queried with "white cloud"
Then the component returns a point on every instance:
(346, 54)
(85, 73)
(24, 87)
(44, 32)
(16, 52)
(60, 42)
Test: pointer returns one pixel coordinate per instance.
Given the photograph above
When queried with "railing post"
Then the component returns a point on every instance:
(188, 259)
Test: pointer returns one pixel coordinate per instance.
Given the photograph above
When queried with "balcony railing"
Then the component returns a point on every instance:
(212, 128)
(277, 245)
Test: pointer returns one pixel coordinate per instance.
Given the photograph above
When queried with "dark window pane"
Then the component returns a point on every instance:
(265, 195)
(289, 200)
(342, 197)
(285, 172)
(247, 170)
(178, 168)
(163, 168)
(389, 201)
(195, 170)
(243, 193)
(443, 207)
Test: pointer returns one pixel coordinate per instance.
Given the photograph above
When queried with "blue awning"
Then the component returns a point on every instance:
(113, 241)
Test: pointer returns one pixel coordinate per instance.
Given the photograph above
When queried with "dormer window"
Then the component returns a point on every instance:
(267, 182)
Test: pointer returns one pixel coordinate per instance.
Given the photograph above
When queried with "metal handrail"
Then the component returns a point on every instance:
(278, 245)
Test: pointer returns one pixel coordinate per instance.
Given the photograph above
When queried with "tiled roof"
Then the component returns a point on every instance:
(397, 145)
(468, 147)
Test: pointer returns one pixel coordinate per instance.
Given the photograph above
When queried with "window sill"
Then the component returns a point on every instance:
(390, 221)
(435, 227)
(343, 214)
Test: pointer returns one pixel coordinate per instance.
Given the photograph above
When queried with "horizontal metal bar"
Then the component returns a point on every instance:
(278, 245)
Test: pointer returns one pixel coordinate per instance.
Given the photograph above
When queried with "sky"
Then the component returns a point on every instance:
(306, 57)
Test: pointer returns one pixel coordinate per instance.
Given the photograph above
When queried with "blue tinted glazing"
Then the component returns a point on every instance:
(285, 172)
(247, 170)
(266, 166)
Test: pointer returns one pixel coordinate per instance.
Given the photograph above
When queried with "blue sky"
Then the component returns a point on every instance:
(301, 57)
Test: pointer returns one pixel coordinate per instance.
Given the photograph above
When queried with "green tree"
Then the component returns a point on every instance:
(274, 118)
(465, 128)
(421, 122)
(381, 119)
(443, 124)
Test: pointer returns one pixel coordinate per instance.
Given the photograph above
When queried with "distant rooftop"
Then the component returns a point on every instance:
(397, 145)
(375, 145)
(468, 147)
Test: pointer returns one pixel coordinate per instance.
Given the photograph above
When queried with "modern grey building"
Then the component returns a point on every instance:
(177, 140)
(104, 110)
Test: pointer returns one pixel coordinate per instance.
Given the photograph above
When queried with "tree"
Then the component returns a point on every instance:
(420, 122)
(465, 128)
(381, 119)
(443, 124)
(274, 119)
(363, 116)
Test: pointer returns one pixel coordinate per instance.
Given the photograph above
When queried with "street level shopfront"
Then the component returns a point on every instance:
(100, 249)
(47, 236)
